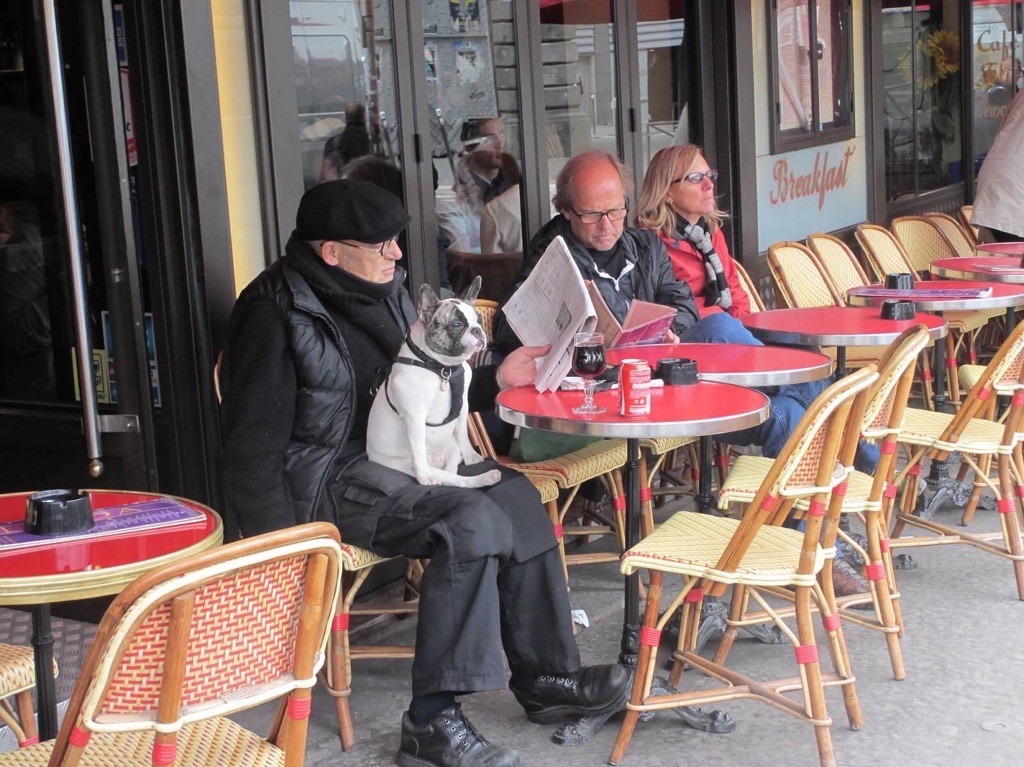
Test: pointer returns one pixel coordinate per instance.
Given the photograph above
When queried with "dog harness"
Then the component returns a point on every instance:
(451, 376)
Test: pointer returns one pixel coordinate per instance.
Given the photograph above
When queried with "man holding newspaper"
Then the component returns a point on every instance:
(589, 242)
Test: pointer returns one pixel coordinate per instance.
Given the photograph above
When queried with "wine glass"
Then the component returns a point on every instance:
(588, 363)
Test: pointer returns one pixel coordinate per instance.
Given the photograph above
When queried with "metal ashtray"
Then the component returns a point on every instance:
(676, 371)
(900, 281)
(58, 512)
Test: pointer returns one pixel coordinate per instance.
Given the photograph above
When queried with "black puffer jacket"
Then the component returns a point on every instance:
(289, 398)
(649, 279)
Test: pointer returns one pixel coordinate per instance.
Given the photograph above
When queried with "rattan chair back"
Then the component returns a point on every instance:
(964, 214)
(883, 415)
(884, 253)
(756, 303)
(801, 279)
(954, 233)
(486, 309)
(215, 634)
(922, 241)
(839, 262)
(806, 467)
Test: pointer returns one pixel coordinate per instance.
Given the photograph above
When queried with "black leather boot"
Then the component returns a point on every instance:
(591, 691)
(450, 740)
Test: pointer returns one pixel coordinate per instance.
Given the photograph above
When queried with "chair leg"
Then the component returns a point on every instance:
(737, 607)
(837, 646)
(984, 463)
(952, 372)
(814, 690)
(883, 590)
(27, 718)
(646, 660)
(341, 662)
(1010, 522)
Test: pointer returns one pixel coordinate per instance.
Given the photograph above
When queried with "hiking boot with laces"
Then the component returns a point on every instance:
(450, 740)
(591, 691)
(846, 582)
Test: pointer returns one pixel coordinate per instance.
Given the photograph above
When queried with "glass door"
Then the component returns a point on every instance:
(78, 377)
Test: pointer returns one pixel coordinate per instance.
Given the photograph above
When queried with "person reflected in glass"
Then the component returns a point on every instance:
(483, 172)
(353, 142)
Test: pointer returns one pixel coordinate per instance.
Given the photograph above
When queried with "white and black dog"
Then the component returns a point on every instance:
(418, 420)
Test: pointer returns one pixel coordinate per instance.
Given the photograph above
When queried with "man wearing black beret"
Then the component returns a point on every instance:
(310, 340)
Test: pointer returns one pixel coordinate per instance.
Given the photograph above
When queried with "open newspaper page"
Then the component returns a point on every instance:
(550, 307)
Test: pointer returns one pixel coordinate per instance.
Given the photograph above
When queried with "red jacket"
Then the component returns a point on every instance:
(688, 266)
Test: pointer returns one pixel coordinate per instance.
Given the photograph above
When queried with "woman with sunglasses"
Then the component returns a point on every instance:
(678, 202)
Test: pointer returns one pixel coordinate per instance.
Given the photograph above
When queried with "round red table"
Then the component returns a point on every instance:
(1002, 296)
(979, 268)
(838, 326)
(676, 411)
(1001, 248)
(66, 570)
(740, 364)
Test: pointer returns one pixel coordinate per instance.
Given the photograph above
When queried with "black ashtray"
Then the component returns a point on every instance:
(676, 371)
(898, 310)
(901, 281)
(58, 512)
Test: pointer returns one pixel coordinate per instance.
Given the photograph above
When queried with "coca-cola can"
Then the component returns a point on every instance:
(634, 389)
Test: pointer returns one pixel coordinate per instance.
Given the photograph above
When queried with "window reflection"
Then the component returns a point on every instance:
(921, 70)
(470, 58)
(998, 46)
(666, 73)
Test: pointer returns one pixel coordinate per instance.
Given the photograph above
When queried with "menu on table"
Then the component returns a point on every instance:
(112, 520)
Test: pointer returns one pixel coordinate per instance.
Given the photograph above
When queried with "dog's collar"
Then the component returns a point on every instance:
(451, 375)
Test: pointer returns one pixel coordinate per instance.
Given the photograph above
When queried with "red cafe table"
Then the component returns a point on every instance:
(1002, 296)
(676, 411)
(988, 268)
(66, 570)
(739, 364)
(838, 326)
(1001, 248)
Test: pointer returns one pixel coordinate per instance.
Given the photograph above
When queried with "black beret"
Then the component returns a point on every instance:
(349, 210)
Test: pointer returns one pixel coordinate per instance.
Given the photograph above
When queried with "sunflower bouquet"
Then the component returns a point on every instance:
(941, 64)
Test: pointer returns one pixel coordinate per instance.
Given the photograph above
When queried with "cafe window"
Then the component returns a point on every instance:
(923, 113)
(997, 44)
(811, 80)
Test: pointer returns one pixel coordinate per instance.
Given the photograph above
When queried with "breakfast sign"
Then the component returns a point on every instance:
(811, 190)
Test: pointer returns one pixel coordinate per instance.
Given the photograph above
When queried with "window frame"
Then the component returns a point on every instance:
(819, 136)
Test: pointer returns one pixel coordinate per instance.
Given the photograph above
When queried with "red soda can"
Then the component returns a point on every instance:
(634, 389)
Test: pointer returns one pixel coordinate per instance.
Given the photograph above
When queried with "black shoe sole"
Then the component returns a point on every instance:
(560, 714)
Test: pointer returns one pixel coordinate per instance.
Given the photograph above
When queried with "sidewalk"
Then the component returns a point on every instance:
(960, 703)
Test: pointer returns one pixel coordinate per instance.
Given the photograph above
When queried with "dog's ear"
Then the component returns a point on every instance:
(428, 303)
(469, 296)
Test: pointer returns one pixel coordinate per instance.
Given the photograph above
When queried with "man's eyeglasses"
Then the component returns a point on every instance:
(593, 216)
(380, 250)
(697, 177)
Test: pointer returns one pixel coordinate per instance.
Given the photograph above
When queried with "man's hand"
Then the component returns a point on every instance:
(671, 338)
(520, 367)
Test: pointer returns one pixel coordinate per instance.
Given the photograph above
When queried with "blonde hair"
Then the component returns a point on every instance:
(654, 211)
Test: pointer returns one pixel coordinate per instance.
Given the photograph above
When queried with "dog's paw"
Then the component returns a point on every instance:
(471, 457)
(428, 479)
(490, 478)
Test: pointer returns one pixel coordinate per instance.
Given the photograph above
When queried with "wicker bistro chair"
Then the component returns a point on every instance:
(964, 215)
(871, 498)
(749, 287)
(978, 440)
(954, 233)
(17, 678)
(889, 253)
(804, 282)
(712, 553)
(188, 644)
(839, 262)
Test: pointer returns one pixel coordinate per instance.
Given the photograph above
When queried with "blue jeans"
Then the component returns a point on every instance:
(788, 403)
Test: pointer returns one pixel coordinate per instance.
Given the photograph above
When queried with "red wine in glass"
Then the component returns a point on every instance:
(588, 360)
(588, 363)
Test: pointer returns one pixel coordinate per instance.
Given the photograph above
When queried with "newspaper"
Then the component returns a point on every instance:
(555, 303)
(550, 307)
